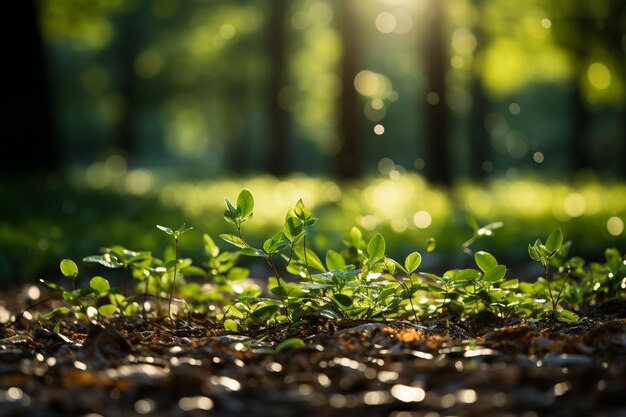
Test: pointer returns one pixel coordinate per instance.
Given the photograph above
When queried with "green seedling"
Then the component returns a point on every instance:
(478, 232)
(544, 253)
(176, 261)
(87, 304)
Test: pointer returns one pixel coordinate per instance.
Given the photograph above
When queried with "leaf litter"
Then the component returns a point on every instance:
(443, 367)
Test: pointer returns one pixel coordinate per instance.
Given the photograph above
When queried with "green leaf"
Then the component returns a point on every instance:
(567, 316)
(412, 262)
(509, 284)
(343, 299)
(488, 229)
(237, 274)
(431, 244)
(334, 261)
(231, 214)
(301, 211)
(169, 265)
(275, 243)
(457, 307)
(288, 344)
(293, 228)
(534, 252)
(554, 241)
(253, 252)
(376, 248)
(183, 229)
(209, 246)
(108, 260)
(263, 314)
(193, 271)
(313, 261)
(495, 274)
(51, 285)
(471, 221)
(467, 275)
(245, 204)
(107, 310)
(100, 285)
(165, 229)
(613, 258)
(230, 325)
(485, 260)
(233, 240)
(69, 268)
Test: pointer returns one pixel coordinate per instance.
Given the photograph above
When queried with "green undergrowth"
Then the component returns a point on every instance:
(65, 216)
(355, 280)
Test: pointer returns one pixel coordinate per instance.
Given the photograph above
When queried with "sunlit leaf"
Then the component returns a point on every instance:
(165, 229)
(69, 268)
(108, 260)
(554, 241)
(412, 262)
(107, 310)
(233, 240)
(343, 299)
(230, 325)
(209, 246)
(567, 316)
(100, 285)
(485, 260)
(289, 344)
(376, 248)
(245, 204)
(495, 274)
(334, 260)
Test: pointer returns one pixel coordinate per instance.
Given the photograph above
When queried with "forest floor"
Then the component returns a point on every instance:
(441, 367)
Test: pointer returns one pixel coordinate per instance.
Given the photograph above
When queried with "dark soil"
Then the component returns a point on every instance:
(443, 367)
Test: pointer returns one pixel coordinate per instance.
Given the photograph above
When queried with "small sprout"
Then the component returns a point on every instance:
(69, 269)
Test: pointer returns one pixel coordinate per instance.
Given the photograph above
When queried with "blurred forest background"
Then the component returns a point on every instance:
(394, 115)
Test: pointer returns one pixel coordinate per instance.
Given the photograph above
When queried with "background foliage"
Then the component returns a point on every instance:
(394, 115)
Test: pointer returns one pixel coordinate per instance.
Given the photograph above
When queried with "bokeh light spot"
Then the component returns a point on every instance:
(386, 22)
(615, 226)
(379, 129)
(422, 219)
(574, 205)
(599, 76)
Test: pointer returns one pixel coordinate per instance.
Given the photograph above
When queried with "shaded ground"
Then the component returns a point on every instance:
(440, 368)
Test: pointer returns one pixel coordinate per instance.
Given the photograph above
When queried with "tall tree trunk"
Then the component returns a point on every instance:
(125, 141)
(347, 158)
(479, 144)
(277, 151)
(438, 162)
(29, 143)
(581, 136)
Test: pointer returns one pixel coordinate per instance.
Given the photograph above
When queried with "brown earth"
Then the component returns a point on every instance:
(441, 367)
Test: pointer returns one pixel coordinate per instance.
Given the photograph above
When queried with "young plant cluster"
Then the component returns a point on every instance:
(358, 281)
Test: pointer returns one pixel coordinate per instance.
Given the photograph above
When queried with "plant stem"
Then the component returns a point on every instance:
(549, 289)
(169, 308)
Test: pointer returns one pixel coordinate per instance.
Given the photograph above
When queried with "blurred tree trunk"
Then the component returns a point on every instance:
(438, 166)
(581, 136)
(29, 142)
(479, 142)
(347, 158)
(129, 49)
(277, 151)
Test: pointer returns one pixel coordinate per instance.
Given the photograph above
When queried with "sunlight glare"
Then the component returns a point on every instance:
(386, 22)
(599, 76)
(615, 226)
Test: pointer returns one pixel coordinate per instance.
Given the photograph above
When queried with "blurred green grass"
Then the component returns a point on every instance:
(46, 219)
